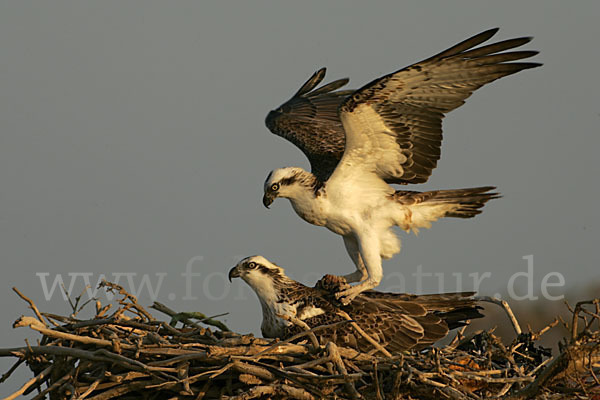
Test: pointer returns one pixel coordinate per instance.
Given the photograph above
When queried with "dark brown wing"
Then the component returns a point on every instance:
(310, 121)
(398, 328)
(431, 302)
(393, 125)
(398, 321)
(454, 308)
(395, 329)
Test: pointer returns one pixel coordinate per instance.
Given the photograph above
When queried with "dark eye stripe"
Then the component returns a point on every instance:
(268, 271)
(288, 181)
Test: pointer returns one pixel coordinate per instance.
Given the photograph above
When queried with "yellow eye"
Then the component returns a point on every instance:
(252, 265)
(275, 186)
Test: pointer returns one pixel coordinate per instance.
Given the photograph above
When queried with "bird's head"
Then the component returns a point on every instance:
(261, 275)
(276, 292)
(285, 182)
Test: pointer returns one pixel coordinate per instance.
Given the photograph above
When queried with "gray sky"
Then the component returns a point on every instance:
(132, 141)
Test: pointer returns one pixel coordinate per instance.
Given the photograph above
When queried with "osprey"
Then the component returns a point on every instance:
(399, 322)
(387, 132)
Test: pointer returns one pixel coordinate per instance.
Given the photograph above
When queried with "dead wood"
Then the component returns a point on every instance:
(129, 354)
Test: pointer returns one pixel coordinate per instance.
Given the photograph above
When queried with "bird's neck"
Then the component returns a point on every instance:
(276, 300)
(308, 198)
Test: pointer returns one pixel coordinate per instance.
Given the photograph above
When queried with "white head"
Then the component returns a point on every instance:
(268, 282)
(289, 182)
(262, 275)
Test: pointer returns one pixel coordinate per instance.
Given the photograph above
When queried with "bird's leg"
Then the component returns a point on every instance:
(356, 276)
(368, 247)
(361, 272)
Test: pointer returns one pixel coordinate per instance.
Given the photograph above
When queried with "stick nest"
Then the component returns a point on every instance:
(128, 354)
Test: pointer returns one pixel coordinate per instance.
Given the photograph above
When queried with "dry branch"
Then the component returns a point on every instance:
(131, 355)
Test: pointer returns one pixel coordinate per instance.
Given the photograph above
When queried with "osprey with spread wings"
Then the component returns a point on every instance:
(387, 132)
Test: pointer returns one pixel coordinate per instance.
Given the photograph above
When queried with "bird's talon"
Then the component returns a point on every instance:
(345, 301)
(345, 297)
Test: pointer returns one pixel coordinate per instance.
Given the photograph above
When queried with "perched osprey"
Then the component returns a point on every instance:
(397, 321)
(387, 132)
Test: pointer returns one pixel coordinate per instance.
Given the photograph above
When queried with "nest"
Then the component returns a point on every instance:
(129, 354)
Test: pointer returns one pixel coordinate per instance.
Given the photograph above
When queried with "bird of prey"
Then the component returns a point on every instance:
(387, 132)
(399, 322)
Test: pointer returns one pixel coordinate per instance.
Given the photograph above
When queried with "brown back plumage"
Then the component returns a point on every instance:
(400, 322)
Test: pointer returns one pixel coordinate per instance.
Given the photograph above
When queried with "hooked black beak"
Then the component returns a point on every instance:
(268, 199)
(234, 273)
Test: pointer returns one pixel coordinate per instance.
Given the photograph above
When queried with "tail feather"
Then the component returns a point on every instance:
(453, 308)
(459, 317)
(469, 201)
(462, 203)
(442, 312)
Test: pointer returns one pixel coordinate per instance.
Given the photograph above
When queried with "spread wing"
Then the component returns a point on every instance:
(310, 120)
(393, 125)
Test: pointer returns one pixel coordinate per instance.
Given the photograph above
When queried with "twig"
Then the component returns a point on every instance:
(179, 317)
(457, 338)
(364, 334)
(537, 335)
(292, 377)
(311, 364)
(186, 316)
(506, 307)
(126, 296)
(576, 316)
(488, 379)
(203, 391)
(12, 369)
(296, 337)
(35, 380)
(253, 370)
(275, 390)
(121, 390)
(555, 367)
(31, 305)
(334, 355)
(75, 306)
(90, 389)
(303, 325)
(37, 326)
(57, 384)
(376, 382)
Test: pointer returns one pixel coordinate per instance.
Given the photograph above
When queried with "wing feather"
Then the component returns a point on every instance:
(310, 120)
(393, 125)
(399, 321)
(465, 44)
